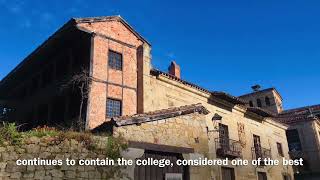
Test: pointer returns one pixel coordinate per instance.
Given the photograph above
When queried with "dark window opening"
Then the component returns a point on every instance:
(250, 103)
(113, 108)
(115, 60)
(227, 173)
(259, 103)
(256, 142)
(223, 131)
(267, 99)
(262, 176)
(286, 177)
(280, 150)
(293, 140)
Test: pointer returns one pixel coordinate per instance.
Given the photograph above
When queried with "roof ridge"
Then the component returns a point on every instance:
(106, 18)
(160, 114)
(299, 108)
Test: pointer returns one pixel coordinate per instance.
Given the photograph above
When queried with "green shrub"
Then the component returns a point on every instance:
(84, 138)
(114, 146)
(42, 132)
(9, 133)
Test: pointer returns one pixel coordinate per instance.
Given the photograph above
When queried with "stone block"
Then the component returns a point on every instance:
(39, 174)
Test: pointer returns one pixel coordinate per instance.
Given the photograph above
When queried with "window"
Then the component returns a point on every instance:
(262, 176)
(250, 104)
(113, 108)
(293, 140)
(259, 103)
(227, 173)
(280, 151)
(267, 99)
(286, 177)
(257, 147)
(115, 60)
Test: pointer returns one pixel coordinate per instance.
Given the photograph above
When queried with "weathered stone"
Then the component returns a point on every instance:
(56, 173)
(33, 149)
(2, 149)
(33, 140)
(28, 175)
(94, 175)
(44, 155)
(39, 174)
(2, 166)
(31, 168)
(83, 174)
(70, 174)
(15, 175)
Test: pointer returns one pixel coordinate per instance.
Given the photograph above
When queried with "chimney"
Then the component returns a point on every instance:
(174, 69)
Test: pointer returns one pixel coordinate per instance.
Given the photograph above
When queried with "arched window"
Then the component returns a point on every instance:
(259, 103)
(250, 104)
(267, 99)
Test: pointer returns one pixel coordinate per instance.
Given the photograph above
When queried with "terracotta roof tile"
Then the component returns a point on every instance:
(261, 112)
(160, 114)
(157, 72)
(228, 97)
(302, 114)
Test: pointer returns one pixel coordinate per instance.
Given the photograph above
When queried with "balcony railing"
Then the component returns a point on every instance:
(228, 148)
(260, 152)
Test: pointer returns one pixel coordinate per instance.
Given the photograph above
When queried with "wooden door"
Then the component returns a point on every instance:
(224, 136)
(262, 176)
(227, 173)
(257, 146)
(157, 173)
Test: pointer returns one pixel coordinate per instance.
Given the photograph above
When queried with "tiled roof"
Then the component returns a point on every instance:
(260, 111)
(217, 94)
(302, 114)
(295, 119)
(228, 97)
(160, 114)
(157, 72)
(302, 110)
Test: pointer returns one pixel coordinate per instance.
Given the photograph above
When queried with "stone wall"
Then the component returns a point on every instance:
(162, 92)
(309, 137)
(187, 131)
(46, 148)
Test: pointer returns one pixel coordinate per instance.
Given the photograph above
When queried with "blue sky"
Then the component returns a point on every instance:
(220, 45)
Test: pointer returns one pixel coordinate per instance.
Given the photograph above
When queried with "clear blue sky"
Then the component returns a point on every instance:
(220, 45)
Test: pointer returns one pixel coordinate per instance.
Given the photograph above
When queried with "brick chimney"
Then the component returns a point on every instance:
(174, 69)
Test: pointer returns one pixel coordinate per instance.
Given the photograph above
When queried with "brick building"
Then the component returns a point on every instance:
(160, 114)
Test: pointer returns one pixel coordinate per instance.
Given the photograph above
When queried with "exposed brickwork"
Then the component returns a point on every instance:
(174, 69)
(121, 85)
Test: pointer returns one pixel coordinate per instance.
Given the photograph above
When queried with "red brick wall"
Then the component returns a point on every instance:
(125, 80)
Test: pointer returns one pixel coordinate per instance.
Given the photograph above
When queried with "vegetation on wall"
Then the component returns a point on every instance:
(9, 135)
(48, 143)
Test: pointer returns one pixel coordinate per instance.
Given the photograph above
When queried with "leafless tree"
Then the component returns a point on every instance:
(82, 81)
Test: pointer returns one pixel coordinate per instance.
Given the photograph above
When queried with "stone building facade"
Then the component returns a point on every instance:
(303, 133)
(161, 115)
